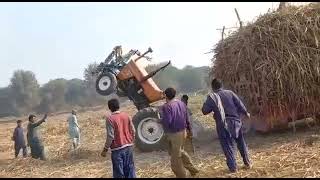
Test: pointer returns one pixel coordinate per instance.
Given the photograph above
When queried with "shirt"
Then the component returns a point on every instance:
(233, 108)
(73, 126)
(18, 137)
(120, 131)
(32, 134)
(174, 116)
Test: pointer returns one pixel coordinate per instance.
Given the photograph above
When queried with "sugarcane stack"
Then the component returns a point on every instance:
(274, 64)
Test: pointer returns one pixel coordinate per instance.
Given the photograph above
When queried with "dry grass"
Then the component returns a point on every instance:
(275, 155)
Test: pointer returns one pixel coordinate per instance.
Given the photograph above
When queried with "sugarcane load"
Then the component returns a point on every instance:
(274, 65)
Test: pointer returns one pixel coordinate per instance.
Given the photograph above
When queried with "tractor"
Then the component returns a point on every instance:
(120, 74)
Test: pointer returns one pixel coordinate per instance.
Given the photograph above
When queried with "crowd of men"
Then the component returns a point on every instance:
(225, 106)
(34, 140)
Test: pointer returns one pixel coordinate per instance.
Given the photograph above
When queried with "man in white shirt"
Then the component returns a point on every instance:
(74, 130)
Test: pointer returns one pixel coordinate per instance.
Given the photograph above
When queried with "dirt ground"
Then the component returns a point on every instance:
(282, 154)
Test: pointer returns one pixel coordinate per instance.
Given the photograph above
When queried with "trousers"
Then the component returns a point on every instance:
(179, 158)
(37, 150)
(122, 163)
(17, 149)
(226, 141)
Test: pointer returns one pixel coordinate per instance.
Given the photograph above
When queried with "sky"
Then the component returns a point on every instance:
(59, 39)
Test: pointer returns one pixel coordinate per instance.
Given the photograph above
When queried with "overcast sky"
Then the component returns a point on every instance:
(58, 39)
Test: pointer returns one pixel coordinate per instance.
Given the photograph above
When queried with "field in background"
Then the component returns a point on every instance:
(281, 154)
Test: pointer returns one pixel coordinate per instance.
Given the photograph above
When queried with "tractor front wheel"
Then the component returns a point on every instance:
(149, 131)
(106, 84)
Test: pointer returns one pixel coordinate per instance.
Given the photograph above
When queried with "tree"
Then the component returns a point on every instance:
(53, 95)
(166, 78)
(89, 77)
(7, 106)
(24, 89)
(76, 92)
(90, 82)
(190, 80)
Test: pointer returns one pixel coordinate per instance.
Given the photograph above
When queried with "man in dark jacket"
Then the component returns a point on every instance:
(34, 140)
(227, 108)
(19, 142)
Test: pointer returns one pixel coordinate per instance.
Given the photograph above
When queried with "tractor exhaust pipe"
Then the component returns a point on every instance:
(154, 72)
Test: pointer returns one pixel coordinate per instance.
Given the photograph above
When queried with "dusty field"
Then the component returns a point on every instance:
(282, 154)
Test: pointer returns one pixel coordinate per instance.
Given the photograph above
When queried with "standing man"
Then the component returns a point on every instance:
(120, 137)
(227, 108)
(19, 142)
(74, 129)
(34, 140)
(185, 99)
(174, 117)
(189, 142)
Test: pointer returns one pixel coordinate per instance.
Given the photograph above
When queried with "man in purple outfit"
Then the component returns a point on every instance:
(174, 118)
(227, 108)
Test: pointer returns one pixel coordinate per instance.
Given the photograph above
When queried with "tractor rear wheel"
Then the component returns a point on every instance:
(149, 131)
(106, 84)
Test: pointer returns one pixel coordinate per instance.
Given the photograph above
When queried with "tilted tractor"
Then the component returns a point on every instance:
(120, 74)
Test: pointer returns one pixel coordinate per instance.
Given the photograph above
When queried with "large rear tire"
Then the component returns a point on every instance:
(106, 84)
(149, 131)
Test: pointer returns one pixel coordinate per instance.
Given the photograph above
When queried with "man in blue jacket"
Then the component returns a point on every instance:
(227, 108)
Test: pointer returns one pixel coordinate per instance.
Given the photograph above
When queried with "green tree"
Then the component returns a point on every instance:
(90, 82)
(76, 92)
(89, 77)
(193, 79)
(24, 89)
(7, 106)
(188, 79)
(166, 78)
(53, 95)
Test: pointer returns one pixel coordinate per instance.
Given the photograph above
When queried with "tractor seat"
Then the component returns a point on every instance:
(150, 88)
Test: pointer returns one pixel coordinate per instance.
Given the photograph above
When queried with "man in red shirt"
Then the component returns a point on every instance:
(120, 137)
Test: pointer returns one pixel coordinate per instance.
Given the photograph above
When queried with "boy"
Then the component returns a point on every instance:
(19, 142)
(189, 143)
(120, 137)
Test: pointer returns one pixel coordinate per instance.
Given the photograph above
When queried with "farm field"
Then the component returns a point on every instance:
(280, 154)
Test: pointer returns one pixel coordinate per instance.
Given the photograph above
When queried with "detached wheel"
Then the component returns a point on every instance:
(106, 84)
(149, 132)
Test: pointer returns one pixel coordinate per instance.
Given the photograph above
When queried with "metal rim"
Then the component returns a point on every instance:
(150, 131)
(104, 83)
